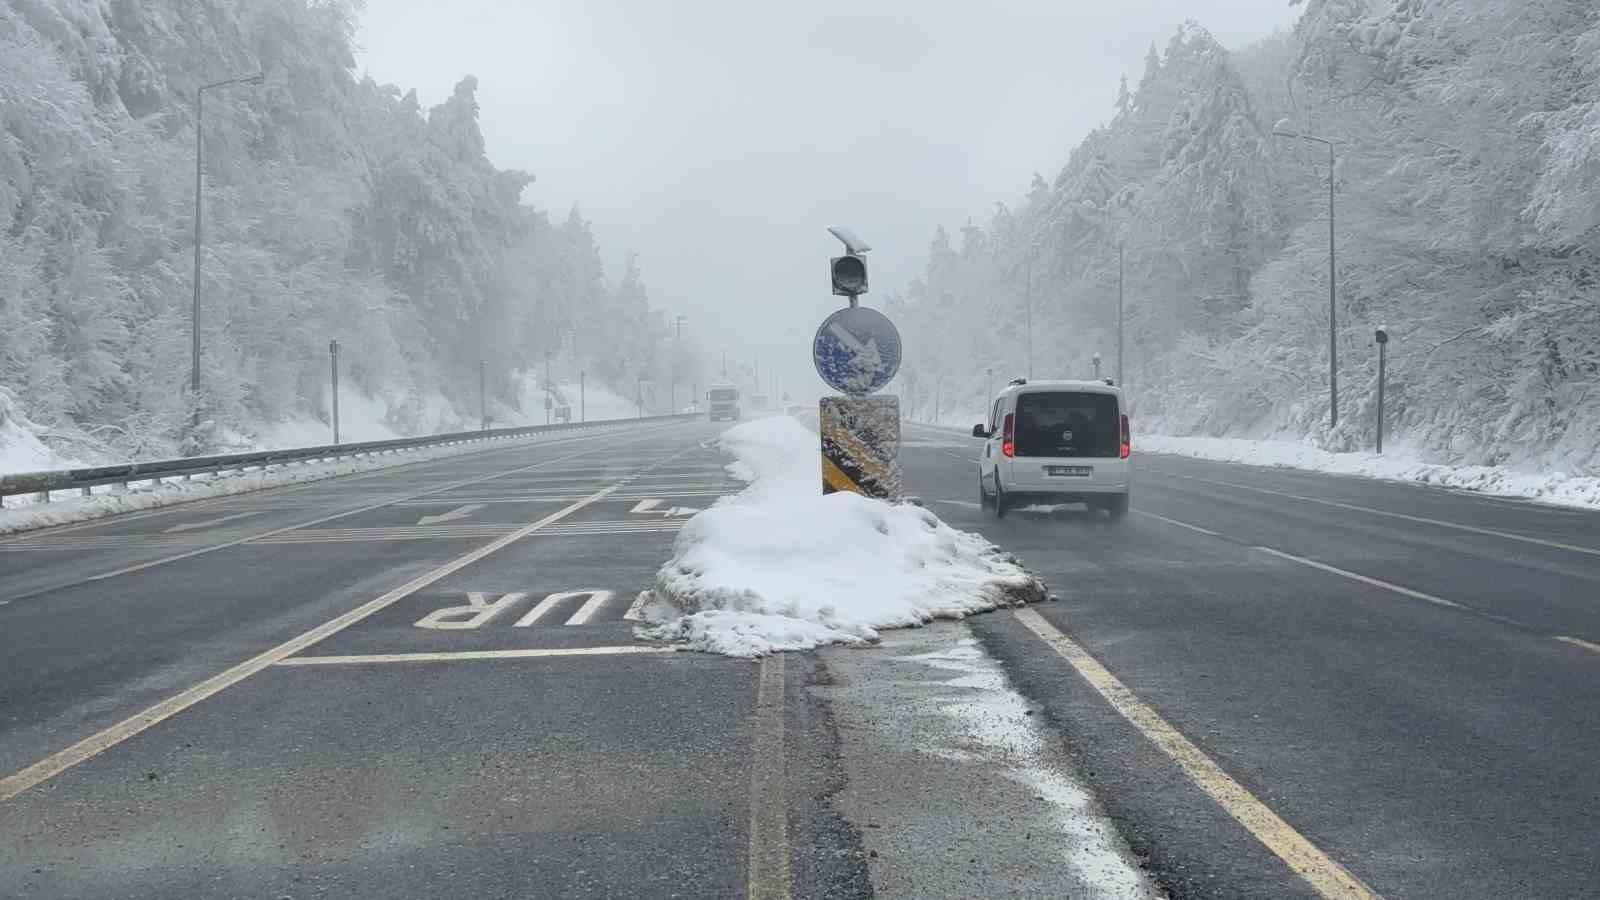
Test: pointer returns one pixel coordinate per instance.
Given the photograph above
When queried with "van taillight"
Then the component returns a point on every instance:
(1127, 439)
(1008, 436)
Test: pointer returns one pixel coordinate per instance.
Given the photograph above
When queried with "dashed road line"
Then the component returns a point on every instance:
(468, 655)
(1364, 579)
(1324, 874)
(1177, 523)
(1472, 529)
(1578, 642)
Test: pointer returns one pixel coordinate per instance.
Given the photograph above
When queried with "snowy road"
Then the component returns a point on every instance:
(1408, 677)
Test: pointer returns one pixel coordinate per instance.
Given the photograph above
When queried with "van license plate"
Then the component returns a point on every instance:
(1069, 471)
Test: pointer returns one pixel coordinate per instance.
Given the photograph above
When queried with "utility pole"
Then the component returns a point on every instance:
(1284, 129)
(677, 355)
(549, 392)
(1028, 295)
(583, 401)
(938, 395)
(1382, 337)
(638, 387)
(483, 395)
(1122, 270)
(724, 364)
(333, 360)
(199, 146)
(989, 394)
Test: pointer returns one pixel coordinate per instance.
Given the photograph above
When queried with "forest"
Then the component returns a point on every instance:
(1466, 192)
(334, 208)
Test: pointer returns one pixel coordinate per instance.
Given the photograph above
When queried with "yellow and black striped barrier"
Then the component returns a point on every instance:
(861, 445)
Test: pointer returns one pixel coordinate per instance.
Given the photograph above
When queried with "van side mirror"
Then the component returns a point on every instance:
(978, 431)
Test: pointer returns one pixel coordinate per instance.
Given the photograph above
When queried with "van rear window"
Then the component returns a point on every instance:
(1067, 423)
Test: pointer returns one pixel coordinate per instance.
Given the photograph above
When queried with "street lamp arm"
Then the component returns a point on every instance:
(1303, 137)
(257, 78)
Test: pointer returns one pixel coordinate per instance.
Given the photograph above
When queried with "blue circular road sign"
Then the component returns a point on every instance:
(857, 350)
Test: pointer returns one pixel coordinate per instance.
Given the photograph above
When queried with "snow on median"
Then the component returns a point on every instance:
(779, 566)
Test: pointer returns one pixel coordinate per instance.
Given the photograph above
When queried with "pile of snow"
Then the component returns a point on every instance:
(1550, 487)
(780, 566)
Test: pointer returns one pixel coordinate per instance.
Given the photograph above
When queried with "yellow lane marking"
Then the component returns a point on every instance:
(59, 762)
(461, 655)
(1579, 642)
(767, 869)
(1177, 523)
(1473, 529)
(1364, 579)
(1325, 876)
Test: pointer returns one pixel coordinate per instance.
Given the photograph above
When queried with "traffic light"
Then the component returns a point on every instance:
(849, 275)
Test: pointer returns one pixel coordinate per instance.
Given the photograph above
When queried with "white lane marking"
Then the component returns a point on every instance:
(539, 610)
(1579, 642)
(968, 504)
(1325, 875)
(459, 655)
(767, 877)
(460, 512)
(477, 612)
(190, 526)
(635, 611)
(128, 570)
(60, 761)
(589, 607)
(1177, 523)
(1490, 532)
(1364, 579)
(650, 506)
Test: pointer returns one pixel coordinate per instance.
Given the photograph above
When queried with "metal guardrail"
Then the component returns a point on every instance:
(41, 484)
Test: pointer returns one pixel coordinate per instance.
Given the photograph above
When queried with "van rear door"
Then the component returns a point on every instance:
(1069, 440)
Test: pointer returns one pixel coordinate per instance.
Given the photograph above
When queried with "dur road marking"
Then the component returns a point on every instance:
(93, 745)
(1325, 876)
(465, 655)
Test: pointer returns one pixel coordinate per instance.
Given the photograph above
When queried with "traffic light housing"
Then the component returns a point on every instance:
(849, 275)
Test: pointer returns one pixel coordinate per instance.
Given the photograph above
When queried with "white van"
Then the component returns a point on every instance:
(1055, 442)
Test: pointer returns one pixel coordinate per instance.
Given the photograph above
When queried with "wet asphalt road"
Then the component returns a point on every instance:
(366, 688)
(1428, 715)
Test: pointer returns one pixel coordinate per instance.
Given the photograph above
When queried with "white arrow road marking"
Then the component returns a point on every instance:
(190, 526)
(649, 508)
(851, 342)
(460, 512)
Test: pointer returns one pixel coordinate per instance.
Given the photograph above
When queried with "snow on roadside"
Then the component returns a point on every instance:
(780, 566)
(1553, 487)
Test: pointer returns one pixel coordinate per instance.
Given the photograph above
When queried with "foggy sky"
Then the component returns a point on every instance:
(718, 139)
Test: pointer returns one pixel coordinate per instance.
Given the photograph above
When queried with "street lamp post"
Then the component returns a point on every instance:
(677, 354)
(199, 131)
(989, 394)
(333, 361)
(1122, 268)
(549, 389)
(483, 395)
(1284, 129)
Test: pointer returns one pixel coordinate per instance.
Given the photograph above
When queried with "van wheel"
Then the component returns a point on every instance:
(983, 495)
(999, 498)
(1117, 506)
